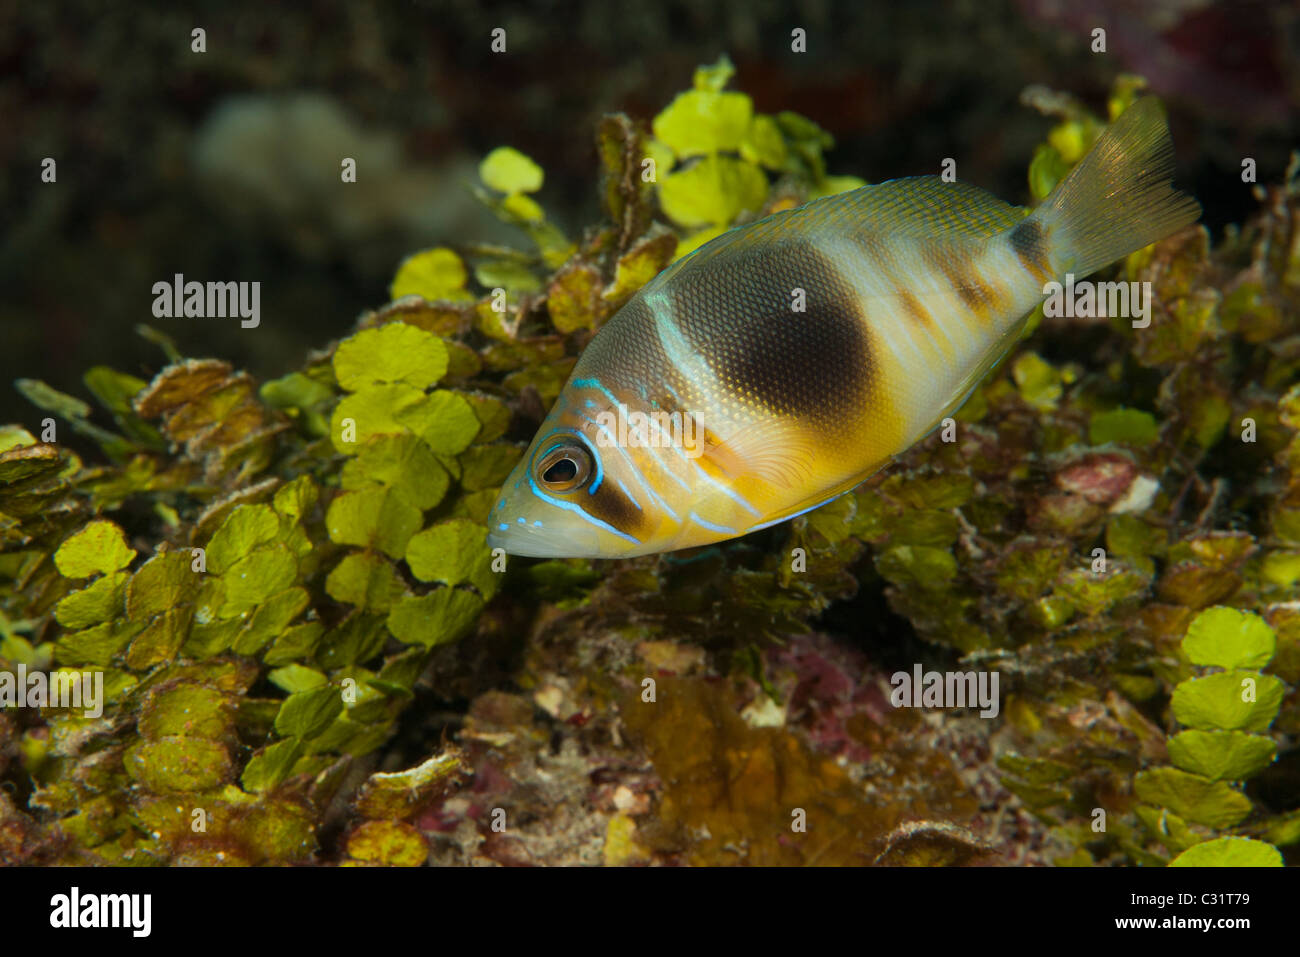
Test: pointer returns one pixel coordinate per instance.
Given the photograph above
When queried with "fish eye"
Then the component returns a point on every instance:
(564, 468)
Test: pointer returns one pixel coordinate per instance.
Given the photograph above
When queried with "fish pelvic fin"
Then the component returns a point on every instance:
(1119, 198)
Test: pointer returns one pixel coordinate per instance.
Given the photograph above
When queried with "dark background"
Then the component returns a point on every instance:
(153, 179)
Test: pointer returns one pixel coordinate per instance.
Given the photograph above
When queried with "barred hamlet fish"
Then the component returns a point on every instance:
(784, 362)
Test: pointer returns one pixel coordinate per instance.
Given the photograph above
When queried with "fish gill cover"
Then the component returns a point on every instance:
(308, 652)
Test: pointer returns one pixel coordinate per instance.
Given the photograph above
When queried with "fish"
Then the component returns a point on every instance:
(786, 361)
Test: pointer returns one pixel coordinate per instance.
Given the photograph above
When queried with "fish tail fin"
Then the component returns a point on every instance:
(1120, 197)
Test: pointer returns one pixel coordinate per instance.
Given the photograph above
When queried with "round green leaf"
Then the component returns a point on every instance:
(763, 144)
(294, 678)
(179, 764)
(372, 411)
(246, 527)
(160, 584)
(1229, 852)
(297, 498)
(1046, 169)
(256, 577)
(487, 466)
(373, 518)
(390, 843)
(434, 274)
(1092, 595)
(95, 646)
(1281, 569)
(493, 416)
(160, 639)
(1221, 755)
(509, 171)
(662, 155)
(1222, 701)
(452, 552)
(715, 76)
(704, 121)
(444, 420)
(514, 277)
(442, 616)
(917, 565)
(294, 391)
(306, 714)
(1129, 426)
(15, 437)
(1229, 638)
(350, 737)
(270, 619)
(295, 643)
(271, 765)
(1192, 797)
(392, 353)
(99, 601)
(187, 710)
(99, 547)
(523, 207)
(1039, 381)
(365, 580)
(404, 463)
(712, 192)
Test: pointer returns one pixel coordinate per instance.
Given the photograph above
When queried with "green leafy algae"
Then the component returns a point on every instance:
(287, 586)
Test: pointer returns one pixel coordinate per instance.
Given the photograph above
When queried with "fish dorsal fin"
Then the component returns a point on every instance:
(926, 207)
(920, 207)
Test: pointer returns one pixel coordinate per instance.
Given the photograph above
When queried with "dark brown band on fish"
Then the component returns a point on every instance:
(958, 267)
(882, 259)
(613, 507)
(742, 316)
(915, 309)
(1030, 244)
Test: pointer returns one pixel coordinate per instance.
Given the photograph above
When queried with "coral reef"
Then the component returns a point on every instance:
(309, 654)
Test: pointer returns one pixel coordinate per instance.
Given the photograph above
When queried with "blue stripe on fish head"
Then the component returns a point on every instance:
(593, 518)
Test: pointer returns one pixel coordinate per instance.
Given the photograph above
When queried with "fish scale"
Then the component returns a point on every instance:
(911, 291)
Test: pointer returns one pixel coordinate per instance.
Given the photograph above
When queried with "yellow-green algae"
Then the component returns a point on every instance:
(260, 690)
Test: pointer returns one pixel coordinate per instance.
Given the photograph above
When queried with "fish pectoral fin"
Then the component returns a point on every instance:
(772, 451)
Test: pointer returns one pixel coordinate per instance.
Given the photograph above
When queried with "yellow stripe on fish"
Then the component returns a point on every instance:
(786, 361)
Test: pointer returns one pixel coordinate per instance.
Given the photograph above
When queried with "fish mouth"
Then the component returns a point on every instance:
(529, 541)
